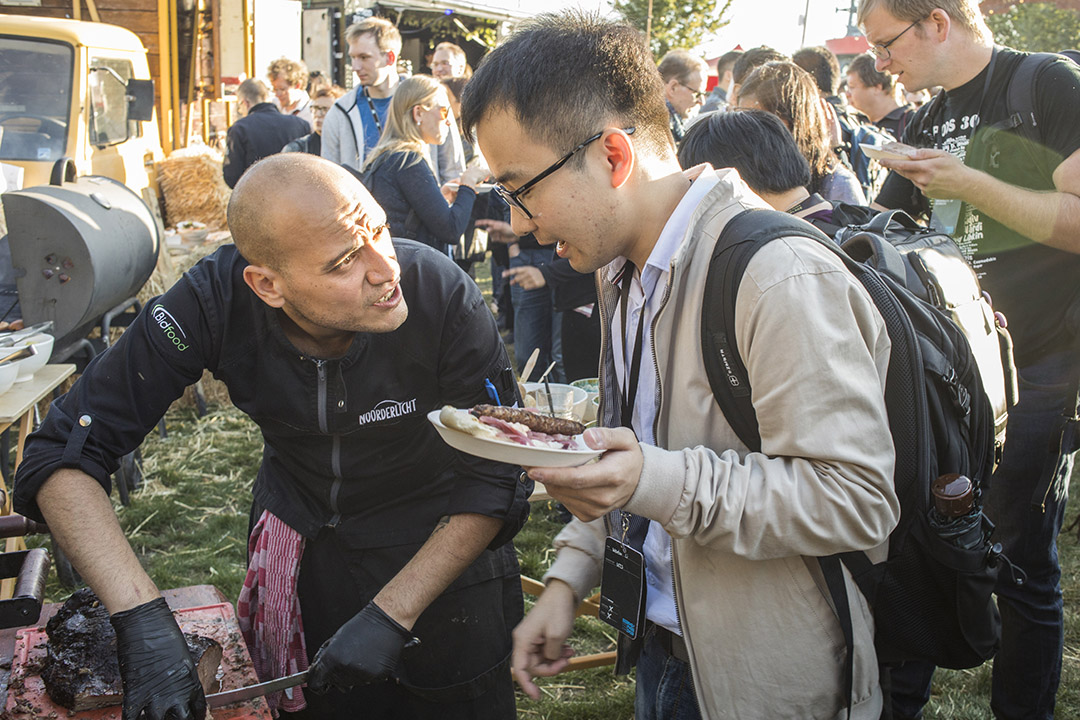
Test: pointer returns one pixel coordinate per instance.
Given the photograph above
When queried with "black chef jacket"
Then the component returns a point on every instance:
(346, 441)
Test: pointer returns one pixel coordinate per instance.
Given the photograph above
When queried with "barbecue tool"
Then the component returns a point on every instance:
(19, 354)
(549, 369)
(15, 336)
(250, 692)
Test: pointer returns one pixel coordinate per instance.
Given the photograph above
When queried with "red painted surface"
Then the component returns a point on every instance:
(848, 45)
(27, 698)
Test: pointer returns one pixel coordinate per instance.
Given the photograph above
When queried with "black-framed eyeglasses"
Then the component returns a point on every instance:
(698, 94)
(513, 197)
(881, 50)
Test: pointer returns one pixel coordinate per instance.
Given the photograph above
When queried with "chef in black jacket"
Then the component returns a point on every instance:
(336, 341)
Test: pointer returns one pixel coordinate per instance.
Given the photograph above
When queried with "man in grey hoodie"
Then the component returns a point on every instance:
(354, 124)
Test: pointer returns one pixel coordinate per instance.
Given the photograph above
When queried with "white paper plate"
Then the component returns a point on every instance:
(876, 153)
(507, 452)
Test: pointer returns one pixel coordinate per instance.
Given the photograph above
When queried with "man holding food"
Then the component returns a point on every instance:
(1004, 181)
(336, 341)
(715, 546)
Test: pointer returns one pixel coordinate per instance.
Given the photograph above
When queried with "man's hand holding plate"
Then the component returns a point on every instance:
(589, 491)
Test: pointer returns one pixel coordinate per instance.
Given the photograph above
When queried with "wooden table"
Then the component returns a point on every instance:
(17, 406)
(235, 673)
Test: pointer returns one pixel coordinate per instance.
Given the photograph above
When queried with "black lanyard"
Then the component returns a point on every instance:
(371, 106)
(942, 100)
(629, 391)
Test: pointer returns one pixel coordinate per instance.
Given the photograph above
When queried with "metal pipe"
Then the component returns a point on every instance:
(18, 526)
(206, 121)
(164, 76)
(648, 25)
(805, 22)
(174, 71)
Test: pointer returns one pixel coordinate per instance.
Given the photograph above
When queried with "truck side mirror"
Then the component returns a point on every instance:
(140, 97)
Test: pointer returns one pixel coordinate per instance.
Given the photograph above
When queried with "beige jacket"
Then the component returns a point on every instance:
(747, 528)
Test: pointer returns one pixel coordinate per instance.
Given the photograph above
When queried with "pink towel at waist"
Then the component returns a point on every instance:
(269, 611)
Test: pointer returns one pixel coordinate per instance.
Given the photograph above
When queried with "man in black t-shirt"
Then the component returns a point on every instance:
(1013, 206)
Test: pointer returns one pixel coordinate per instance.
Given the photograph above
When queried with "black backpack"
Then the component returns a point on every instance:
(931, 599)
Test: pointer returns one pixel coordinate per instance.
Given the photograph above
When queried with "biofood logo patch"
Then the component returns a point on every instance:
(170, 327)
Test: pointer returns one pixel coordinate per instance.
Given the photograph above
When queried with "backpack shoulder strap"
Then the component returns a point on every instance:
(1020, 105)
(902, 124)
(1020, 96)
(740, 239)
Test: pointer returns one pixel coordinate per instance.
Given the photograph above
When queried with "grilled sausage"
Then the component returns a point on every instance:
(533, 421)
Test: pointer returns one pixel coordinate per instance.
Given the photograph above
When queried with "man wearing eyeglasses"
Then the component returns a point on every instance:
(320, 104)
(1006, 185)
(369, 531)
(715, 591)
(685, 76)
(355, 122)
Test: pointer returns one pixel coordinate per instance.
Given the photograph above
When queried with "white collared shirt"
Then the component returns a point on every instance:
(646, 295)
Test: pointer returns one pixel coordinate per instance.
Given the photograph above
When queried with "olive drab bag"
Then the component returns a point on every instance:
(931, 599)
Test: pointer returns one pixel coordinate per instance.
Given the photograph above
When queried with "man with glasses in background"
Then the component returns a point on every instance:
(449, 61)
(685, 77)
(355, 123)
(723, 614)
(1006, 185)
(321, 102)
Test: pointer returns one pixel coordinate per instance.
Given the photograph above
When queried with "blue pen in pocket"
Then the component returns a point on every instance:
(491, 391)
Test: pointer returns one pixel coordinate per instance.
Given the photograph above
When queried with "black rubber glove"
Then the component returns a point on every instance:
(363, 650)
(155, 666)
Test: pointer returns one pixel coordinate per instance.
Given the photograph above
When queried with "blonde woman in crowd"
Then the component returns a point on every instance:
(400, 178)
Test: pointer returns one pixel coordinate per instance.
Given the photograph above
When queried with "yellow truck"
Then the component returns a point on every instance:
(81, 90)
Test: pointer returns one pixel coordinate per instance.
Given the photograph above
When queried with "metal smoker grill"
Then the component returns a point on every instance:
(81, 250)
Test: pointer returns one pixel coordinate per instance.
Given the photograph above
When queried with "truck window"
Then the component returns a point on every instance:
(108, 103)
(35, 98)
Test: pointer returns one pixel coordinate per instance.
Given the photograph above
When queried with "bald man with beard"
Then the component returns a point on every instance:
(336, 340)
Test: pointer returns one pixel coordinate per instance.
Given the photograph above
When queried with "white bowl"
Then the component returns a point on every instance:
(8, 373)
(28, 366)
(581, 397)
(592, 387)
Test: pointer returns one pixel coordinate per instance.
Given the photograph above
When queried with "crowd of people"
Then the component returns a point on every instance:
(602, 177)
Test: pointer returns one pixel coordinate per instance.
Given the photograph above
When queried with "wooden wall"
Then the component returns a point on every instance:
(138, 16)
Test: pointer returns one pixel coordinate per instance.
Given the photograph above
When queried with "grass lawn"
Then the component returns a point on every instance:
(188, 523)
